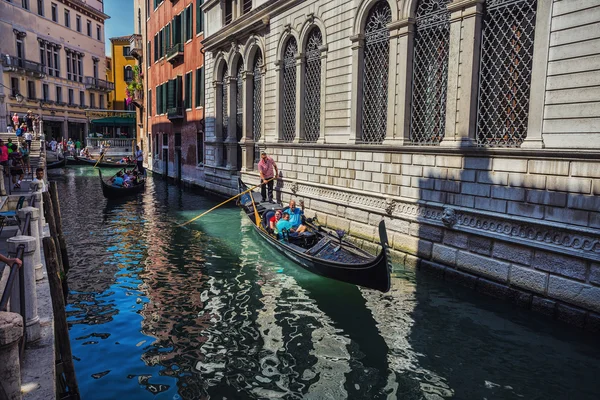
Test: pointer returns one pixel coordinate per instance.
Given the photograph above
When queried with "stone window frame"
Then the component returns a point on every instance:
(461, 111)
(396, 68)
(253, 45)
(311, 23)
(220, 66)
(288, 33)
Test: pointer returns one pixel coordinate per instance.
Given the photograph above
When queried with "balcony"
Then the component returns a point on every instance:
(175, 113)
(92, 83)
(175, 53)
(23, 66)
(135, 45)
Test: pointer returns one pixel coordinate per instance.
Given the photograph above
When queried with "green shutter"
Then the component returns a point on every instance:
(150, 102)
(156, 48)
(199, 16)
(197, 92)
(202, 86)
(178, 91)
(158, 99)
(188, 90)
(171, 93)
(164, 95)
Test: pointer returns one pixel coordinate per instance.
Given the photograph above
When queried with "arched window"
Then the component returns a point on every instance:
(257, 101)
(239, 102)
(505, 75)
(128, 73)
(289, 90)
(225, 113)
(430, 72)
(239, 116)
(375, 73)
(312, 86)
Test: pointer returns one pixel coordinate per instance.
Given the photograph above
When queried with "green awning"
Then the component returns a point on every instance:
(113, 121)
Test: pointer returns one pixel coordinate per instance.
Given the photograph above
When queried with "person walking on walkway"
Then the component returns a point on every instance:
(266, 165)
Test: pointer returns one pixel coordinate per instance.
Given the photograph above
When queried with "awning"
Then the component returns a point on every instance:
(113, 121)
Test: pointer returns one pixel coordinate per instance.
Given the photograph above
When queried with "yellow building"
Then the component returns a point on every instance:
(51, 57)
(109, 78)
(123, 64)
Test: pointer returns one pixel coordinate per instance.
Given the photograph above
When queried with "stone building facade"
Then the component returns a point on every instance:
(472, 127)
(52, 53)
(175, 89)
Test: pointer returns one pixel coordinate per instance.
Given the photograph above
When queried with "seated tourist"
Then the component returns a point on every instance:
(284, 224)
(296, 216)
(274, 220)
(82, 153)
(118, 180)
(128, 179)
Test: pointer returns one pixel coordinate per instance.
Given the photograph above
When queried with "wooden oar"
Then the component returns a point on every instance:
(227, 201)
(100, 159)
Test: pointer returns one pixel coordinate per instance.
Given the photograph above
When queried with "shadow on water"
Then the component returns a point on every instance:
(208, 311)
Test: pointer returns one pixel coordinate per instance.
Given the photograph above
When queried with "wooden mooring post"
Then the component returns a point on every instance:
(49, 215)
(61, 328)
(58, 219)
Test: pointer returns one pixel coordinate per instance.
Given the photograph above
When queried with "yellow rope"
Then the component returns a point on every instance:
(227, 201)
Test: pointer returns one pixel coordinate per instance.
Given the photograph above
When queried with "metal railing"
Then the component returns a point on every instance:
(110, 142)
(15, 63)
(175, 51)
(99, 84)
(14, 270)
(175, 112)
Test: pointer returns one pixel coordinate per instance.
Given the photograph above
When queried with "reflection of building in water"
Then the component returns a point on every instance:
(120, 249)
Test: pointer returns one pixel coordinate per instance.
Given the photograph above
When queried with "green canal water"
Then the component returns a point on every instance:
(207, 311)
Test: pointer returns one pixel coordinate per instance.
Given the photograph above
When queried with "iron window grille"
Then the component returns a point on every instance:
(239, 117)
(430, 72)
(505, 72)
(257, 102)
(225, 114)
(312, 87)
(289, 90)
(375, 74)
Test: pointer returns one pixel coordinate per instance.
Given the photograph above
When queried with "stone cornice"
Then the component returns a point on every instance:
(575, 241)
(465, 151)
(85, 9)
(256, 20)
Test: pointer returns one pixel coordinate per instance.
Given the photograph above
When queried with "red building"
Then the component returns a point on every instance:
(175, 88)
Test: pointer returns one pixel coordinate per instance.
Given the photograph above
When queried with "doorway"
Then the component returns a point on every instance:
(165, 159)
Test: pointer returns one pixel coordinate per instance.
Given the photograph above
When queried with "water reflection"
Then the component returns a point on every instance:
(206, 311)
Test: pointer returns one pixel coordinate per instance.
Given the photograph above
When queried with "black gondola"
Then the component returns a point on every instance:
(57, 164)
(102, 164)
(113, 192)
(324, 254)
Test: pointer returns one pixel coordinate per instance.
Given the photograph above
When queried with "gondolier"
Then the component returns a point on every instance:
(139, 159)
(266, 165)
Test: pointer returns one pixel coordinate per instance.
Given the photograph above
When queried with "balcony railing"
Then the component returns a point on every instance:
(175, 53)
(135, 44)
(111, 143)
(175, 113)
(22, 65)
(98, 84)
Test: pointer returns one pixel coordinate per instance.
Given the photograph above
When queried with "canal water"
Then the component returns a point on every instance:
(157, 311)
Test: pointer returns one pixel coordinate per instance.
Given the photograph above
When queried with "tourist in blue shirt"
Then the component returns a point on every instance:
(284, 223)
(118, 180)
(296, 216)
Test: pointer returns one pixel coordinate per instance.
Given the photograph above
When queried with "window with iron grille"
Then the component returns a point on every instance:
(312, 86)
(289, 91)
(239, 116)
(375, 73)
(246, 6)
(505, 72)
(257, 101)
(430, 72)
(224, 113)
(228, 11)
